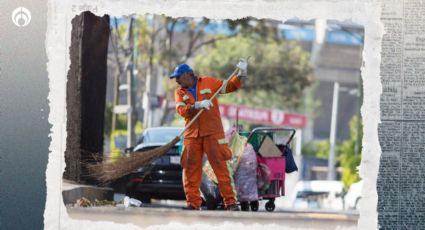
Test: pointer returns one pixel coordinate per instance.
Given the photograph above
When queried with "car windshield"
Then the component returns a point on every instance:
(161, 135)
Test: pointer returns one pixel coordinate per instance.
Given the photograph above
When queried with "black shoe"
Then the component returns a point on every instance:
(190, 208)
(233, 207)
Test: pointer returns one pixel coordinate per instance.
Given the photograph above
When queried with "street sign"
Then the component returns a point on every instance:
(264, 116)
(260, 115)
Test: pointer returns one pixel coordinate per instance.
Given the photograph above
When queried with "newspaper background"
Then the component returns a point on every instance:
(364, 12)
(400, 185)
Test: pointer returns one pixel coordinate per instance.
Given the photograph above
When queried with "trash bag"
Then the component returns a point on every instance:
(290, 165)
(245, 176)
(210, 192)
(237, 146)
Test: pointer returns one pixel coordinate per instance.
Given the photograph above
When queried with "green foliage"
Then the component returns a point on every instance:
(319, 149)
(257, 28)
(278, 73)
(144, 42)
(350, 153)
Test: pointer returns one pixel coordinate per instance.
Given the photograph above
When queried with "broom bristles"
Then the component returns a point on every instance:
(108, 171)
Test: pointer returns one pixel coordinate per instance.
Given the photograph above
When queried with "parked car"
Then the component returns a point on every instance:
(163, 178)
(319, 194)
(353, 195)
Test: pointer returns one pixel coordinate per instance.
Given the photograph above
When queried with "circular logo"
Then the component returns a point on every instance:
(21, 16)
(277, 117)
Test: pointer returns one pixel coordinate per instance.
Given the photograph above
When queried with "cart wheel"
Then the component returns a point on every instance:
(244, 206)
(254, 205)
(270, 206)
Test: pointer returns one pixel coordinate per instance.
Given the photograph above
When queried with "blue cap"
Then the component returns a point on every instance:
(181, 69)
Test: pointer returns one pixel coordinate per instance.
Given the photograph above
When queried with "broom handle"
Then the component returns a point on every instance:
(202, 110)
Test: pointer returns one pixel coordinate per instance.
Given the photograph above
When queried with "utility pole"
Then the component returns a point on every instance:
(331, 160)
(130, 77)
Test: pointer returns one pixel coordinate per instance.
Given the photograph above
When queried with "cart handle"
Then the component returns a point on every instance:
(269, 129)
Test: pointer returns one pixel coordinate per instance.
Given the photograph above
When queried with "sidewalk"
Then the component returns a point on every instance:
(168, 218)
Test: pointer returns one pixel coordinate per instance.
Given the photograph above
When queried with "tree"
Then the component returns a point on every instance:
(278, 74)
(85, 94)
(279, 65)
(165, 42)
(348, 157)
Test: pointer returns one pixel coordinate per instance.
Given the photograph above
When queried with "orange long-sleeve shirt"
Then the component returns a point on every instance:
(209, 122)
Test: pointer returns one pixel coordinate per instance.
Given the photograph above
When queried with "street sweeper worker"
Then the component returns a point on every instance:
(206, 134)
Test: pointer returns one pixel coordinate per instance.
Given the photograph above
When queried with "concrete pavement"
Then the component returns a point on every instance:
(146, 216)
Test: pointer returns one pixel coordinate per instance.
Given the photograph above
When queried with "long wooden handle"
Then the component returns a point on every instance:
(213, 96)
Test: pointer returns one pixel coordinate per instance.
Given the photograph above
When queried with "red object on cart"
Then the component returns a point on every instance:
(277, 176)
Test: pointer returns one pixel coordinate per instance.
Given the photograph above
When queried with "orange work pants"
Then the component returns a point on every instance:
(217, 154)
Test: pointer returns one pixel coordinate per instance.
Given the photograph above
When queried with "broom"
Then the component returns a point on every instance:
(108, 171)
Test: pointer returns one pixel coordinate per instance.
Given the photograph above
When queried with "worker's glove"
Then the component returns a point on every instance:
(205, 104)
(243, 67)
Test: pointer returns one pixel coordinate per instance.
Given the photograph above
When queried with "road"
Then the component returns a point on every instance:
(160, 214)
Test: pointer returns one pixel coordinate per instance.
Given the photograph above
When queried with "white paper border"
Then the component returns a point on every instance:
(366, 13)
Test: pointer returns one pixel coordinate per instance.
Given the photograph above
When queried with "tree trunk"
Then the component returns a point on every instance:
(86, 93)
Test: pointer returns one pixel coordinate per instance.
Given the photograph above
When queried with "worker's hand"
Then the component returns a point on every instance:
(205, 104)
(243, 67)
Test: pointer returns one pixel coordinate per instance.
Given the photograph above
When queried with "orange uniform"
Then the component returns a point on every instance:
(205, 135)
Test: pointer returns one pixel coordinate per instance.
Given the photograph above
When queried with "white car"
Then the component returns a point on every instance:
(318, 194)
(353, 195)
